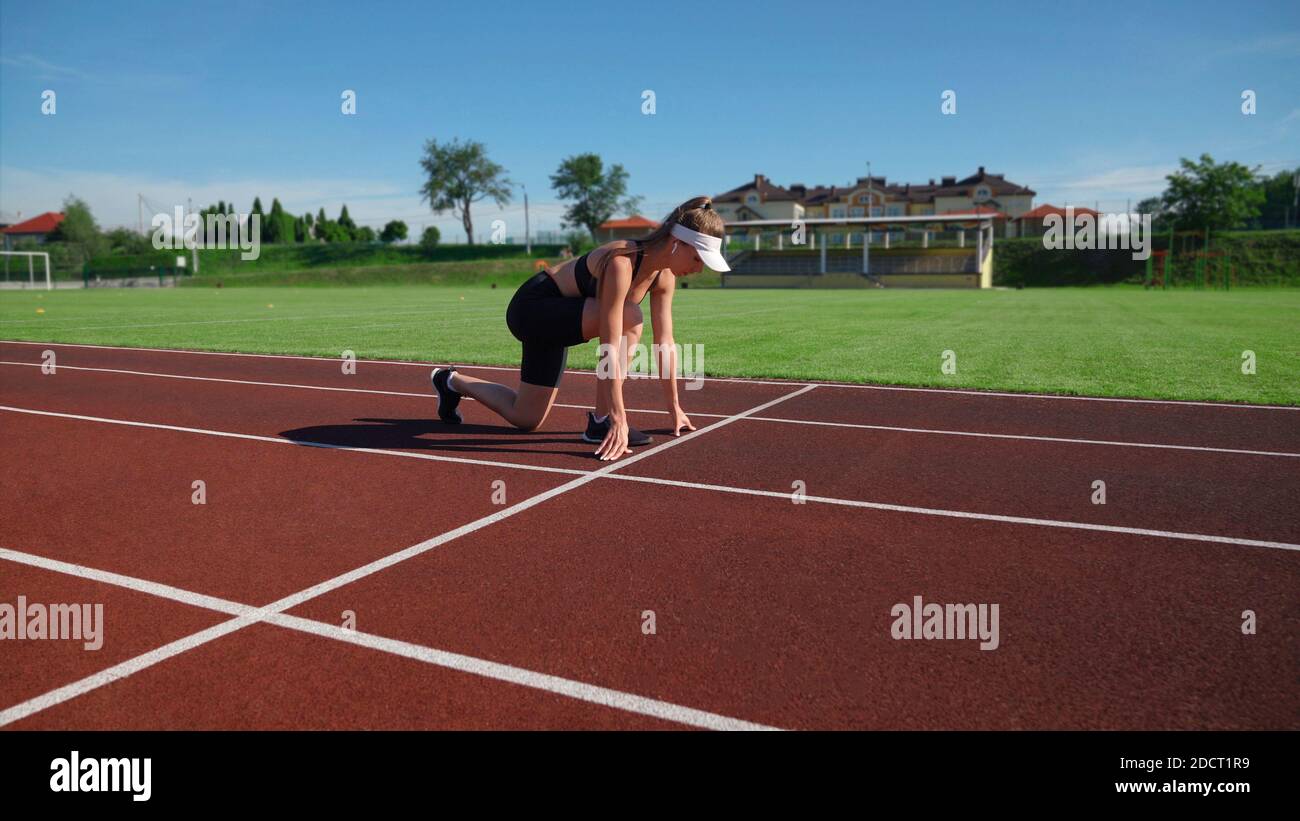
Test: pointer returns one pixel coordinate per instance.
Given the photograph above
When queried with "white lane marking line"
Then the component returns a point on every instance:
(486, 315)
(120, 671)
(228, 381)
(1023, 437)
(158, 589)
(281, 441)
(698, 485)
(429, 655)
(1028, 437)
(148, 659)
(786, 384)
(429, 544)
(962, 514)
(578, 690)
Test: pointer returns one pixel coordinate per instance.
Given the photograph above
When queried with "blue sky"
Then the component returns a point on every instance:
(1084, 103)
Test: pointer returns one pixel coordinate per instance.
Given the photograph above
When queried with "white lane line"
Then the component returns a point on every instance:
(578, 690)
(182, 645)
(247, 614)
(1027, 437)
(429, 395)
(432, 312)
(120, 671)
(282, 441)
(785, 384)
(963, 514)
(893, 428)
(162, 591)
(698, 485)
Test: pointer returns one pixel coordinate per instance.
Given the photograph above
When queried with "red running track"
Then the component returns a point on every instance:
(499, 579)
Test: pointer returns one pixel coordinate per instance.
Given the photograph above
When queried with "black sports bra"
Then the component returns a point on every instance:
(587, 283)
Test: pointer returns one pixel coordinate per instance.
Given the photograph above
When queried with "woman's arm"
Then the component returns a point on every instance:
(614, 285)
(661, 317)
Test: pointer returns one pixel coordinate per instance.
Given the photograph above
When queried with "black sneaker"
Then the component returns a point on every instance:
(597, 431)
(448, 399)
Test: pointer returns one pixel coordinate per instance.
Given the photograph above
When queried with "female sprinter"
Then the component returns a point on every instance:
(597, 295)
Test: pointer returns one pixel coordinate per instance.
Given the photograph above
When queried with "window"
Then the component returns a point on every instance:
(857, 211)
(875, 210)
(982, 193)
(894, 211)
(837, 212)
(752, 199)
(863, 199)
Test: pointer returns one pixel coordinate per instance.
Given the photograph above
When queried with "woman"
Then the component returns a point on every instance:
(597, 295)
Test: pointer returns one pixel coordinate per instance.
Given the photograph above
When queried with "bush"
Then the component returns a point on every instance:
(1255, 258)
(430, 238)
(394, 231)
(579, 241)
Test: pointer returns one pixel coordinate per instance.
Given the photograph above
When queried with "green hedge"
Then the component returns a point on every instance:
(289, 257)
(359, 254)
(1254, 257)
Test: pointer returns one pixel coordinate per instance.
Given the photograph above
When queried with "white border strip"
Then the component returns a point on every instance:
(786, 384)
(892, 428)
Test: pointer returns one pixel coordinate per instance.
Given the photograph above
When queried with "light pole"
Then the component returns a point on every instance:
(528, 237)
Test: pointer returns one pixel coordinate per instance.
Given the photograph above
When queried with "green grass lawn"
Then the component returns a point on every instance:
(1116, 341)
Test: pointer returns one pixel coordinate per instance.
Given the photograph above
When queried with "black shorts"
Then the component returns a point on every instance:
(548, 323)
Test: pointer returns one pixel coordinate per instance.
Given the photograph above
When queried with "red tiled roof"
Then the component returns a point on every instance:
(42, 224)
(1045, 209)
(637, 221)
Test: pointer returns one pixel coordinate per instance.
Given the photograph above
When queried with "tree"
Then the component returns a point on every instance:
(429, 239)
(364, 234)
(1156, 208)
(79, 231)
(345, 222)
(1279, 206)
(1212, 196)
(273, 225)
(126, 241)
(394, 231)
(596, 194)
(459, 175)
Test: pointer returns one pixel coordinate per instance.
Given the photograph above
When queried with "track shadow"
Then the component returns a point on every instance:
(433, 435)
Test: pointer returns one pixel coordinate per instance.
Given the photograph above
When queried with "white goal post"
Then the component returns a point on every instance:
(31, 272)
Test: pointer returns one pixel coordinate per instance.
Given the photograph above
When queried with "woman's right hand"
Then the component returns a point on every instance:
(615, 444)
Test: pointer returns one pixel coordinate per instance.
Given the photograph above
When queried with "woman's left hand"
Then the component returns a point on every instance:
(679, 420)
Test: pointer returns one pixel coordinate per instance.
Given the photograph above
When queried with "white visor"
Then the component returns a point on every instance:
(709, 248)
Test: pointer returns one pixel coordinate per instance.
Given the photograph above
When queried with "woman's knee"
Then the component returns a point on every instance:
(530, 424)
(632, 319)
(532, 406)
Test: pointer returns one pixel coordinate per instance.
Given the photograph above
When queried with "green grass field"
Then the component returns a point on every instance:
(1117, 341)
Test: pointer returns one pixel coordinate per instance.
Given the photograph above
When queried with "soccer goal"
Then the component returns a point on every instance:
(31, 268)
